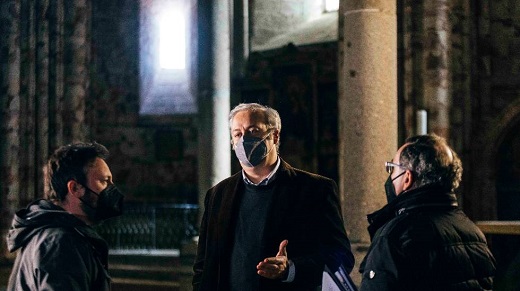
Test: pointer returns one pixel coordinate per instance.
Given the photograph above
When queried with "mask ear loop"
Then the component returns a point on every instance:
(397, 176)
(92, 191)
(81, 198)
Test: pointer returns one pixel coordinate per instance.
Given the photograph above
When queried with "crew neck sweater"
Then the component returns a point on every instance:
(248, 239)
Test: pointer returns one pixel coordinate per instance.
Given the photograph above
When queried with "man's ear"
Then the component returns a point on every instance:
(74, 188)
(408, 180)
(276, 136)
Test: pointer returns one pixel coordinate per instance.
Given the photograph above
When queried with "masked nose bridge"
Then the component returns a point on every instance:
(255, 145)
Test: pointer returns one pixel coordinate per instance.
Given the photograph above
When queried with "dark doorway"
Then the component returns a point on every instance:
(506, 248)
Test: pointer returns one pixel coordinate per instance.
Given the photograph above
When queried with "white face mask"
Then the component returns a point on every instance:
(251, 151)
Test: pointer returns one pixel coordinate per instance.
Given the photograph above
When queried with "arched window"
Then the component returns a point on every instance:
(172, 39)
(166, 64)
(331, 5)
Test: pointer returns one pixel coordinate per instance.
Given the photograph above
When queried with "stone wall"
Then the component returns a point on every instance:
(496, 95)
(153, 158)
(270, 18)
(496, 121)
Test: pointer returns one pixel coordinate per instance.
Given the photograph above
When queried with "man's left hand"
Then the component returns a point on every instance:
(275, 267)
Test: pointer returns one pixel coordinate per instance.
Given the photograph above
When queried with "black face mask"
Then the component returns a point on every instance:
(251, 151)
(109, 204)
(390, 189)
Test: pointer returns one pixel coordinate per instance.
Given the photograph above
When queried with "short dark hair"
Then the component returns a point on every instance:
(432, 161)
(71, 162)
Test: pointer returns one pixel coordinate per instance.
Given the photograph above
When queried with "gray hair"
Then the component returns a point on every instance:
(432, 161)
(272, 117)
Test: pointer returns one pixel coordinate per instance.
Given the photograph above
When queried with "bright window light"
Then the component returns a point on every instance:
(331, 5)
(172, 41)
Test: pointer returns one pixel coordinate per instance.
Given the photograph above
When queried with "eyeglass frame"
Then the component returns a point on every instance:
(392, 165)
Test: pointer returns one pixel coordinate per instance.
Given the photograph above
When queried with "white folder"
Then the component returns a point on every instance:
(336, 280)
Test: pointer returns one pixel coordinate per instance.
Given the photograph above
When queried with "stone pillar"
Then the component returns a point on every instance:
(240, 37)
(9, 115)
(76, 75)
(367, 111)
(240, 51)
(214, 94)
(436, 65)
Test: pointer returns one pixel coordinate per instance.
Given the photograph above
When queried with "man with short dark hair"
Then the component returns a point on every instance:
(269, 227)
(421, 240)
(57, 247)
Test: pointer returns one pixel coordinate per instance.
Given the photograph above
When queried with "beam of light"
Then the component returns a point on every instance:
(331, 5)
(172, 40)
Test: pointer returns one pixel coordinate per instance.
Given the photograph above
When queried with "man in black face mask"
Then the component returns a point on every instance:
(58, 248)
(421, 240)
(270, 226)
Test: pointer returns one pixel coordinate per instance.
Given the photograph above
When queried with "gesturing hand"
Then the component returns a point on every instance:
(275, 267)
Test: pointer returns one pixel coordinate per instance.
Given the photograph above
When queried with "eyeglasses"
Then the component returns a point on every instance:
(389, 166)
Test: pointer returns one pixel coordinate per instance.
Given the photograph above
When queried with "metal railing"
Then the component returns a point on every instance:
(151, 227)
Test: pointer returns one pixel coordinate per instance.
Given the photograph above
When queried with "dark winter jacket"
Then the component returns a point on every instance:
(57, 251)
(305, 210)
(423, 241)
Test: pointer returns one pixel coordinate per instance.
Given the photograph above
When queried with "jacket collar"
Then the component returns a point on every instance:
(267, 179)
(427, 196)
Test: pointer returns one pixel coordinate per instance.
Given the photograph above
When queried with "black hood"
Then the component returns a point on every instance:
(38, 215)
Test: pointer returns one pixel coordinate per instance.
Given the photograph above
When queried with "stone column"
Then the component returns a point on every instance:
(367, 111)
(9, 115)
(240, 47)
(240, 37)
(214, 94)
(436, 65)
(76, 75)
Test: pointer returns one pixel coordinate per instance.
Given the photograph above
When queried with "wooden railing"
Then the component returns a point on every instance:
(509, 227)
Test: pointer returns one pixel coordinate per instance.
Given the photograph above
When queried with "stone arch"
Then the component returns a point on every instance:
(507, 165)
(504, 154)
(493, 137)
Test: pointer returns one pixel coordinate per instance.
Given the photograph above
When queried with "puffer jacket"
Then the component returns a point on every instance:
(57, 251)
(422, 241)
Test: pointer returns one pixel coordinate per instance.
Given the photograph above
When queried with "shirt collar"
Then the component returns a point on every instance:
(267, 179)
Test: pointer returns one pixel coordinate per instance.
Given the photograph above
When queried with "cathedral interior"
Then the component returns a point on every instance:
(154, 80)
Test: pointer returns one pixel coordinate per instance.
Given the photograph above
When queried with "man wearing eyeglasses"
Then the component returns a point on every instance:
(421, 240)
(269, 227)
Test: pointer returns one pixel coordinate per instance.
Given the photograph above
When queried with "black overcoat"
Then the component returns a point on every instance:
(305, 210)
